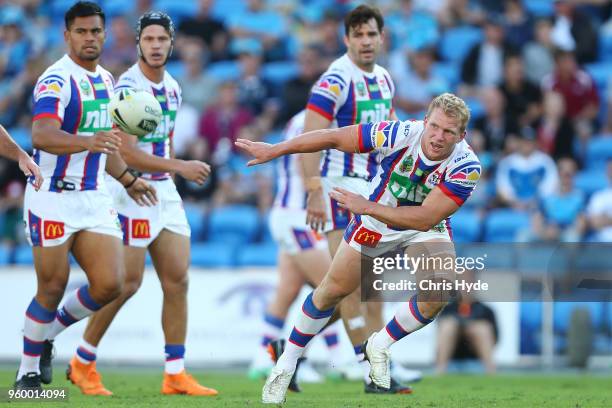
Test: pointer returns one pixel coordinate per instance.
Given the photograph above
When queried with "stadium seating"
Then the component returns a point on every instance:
(449, 71)
(466, 225)
(503, 225)
(538, 260)
(5, 255)
(599, 151)
(212, 255)
(224, 70)
(600, 72)
(605, 47)
(457, 42)
(590, 181)
(563, 311)
(175, 68)
(279, 72)
(195, 218)
(258, 255)
(539, 8)
(531, 326)
(24, 256)
(236, 224)
(22, 137)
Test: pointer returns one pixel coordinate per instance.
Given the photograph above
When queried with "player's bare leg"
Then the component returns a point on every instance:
(421, 309)
(448, 331)
(82, 368)
(170, 253)
(52, 268)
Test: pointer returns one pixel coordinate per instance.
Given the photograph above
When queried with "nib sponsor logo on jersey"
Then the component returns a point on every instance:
(96, 116)
(467, 176)
(163, 130)
(367, 237)
(373, 111)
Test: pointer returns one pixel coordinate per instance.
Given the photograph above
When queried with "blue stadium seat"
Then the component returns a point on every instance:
(502, 225)
(5, 255)
(117, 7)
(590, 181)
(476, 107)
(266, 234)
(257, 255)
(224, 70)
(213, 255)
(22, 137)
(195, 218)
(23, 255)
(531, 326)
(466, 225)
(600, 72)
(563, 311)
(234, 222)
(220, 9)
(599, 151)
(457, 42)
(540, 259)
(539, 8)
(605, 47)
(175, 68)
(274, 137)
(279, 72)
(176, 9)
(448, 70)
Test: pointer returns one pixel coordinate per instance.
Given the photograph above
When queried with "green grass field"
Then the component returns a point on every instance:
(136, 389)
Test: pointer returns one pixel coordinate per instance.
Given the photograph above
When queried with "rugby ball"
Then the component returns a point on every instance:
(135, 112)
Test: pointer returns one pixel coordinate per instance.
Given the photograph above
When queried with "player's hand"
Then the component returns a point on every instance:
(143, 193)
(105, 142)
(262, 152)
(355, 203)
(29, 168)
(315, 210)
(194, 170)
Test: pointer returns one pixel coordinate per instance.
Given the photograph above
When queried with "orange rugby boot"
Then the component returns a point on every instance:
(183, 383)
(86, 377)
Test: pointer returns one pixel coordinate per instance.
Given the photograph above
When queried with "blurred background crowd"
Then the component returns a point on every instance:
(535, 74)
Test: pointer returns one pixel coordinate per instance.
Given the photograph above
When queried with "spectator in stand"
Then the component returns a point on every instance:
(207, 29)
(539, 54)
(199, 88)
(484, 64)
(525, 177)
(239, 184)
(221, 122)
(560, 217)
(457, 13)
(295, 91)
(410, 28)
(330, 43)
(254, 92)
(15, 106)
(121, 45)
(12, 188)
(577, 87)
(523, 98)
(599, 211)
(572, 23)
(518, 23)
(262, 25)
(495, 126)
(15, 47)
(607, 126)
(555, 130)
(418, 85)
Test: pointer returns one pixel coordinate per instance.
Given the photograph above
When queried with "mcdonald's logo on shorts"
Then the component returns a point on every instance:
(140, 229)
(53, 229)
(367, 237)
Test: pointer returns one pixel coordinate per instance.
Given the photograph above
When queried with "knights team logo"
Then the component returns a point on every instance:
(406, 164)
(367, 237)
(53, 229)
(361, 91)
(141, 229)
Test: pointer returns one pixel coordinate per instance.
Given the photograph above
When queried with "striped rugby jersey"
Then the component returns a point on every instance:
(405, 176)
(78, 99)
(290, 192)
(346, 95)
(168, 94)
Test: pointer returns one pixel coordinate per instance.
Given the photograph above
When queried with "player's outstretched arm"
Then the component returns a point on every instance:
(47, 136)
(345, 139)
(10, 150)
(436, 207)
(192, 170)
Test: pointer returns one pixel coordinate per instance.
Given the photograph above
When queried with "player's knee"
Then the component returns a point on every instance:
(106, 292)
(52, 292)
(333, 291)
(130, 288)
(175, 285)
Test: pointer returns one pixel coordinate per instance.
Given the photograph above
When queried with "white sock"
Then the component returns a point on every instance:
(175, 358)
(86, 352)
(78, 305)
(407, 319)
(37, 322)
(309, 323)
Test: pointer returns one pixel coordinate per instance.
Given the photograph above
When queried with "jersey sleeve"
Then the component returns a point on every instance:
(328, 94)
(385, 137)
(51, 96)
(126, 81)
(461, 179)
